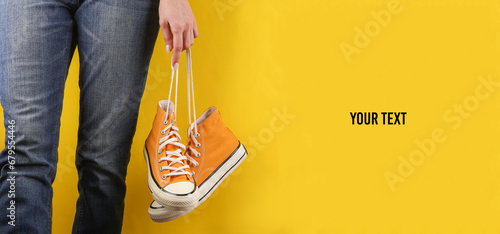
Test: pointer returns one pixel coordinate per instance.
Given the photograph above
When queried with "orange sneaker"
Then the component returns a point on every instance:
(213, 152)
(169, 175)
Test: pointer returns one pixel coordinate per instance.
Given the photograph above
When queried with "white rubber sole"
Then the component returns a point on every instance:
(166, 214)
(162, 214)
(172, 201)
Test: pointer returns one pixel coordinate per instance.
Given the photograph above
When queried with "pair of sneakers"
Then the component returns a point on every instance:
(181, 177)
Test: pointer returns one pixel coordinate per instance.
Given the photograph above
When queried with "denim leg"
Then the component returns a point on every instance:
(36, 46)
(115, 41)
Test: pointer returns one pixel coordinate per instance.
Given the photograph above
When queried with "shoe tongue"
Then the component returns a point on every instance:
(178, 178)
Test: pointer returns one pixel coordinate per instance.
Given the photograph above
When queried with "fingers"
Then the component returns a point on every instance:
(182, 38)
(168, 37)
(188, 39)
(195, 30)
(179, 41)
(178, 47)
(178, 27)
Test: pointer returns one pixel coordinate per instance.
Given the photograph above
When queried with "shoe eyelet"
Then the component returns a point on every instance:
(198, 155)
(197, 135)
(161, 170)
(163, 177)
(162, 132)
(165, 122)
(198, 145)
(159, 151)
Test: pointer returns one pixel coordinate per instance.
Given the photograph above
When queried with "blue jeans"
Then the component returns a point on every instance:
(115, 41)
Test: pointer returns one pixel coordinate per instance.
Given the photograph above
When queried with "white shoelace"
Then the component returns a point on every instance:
(173, 138)
(192, 135)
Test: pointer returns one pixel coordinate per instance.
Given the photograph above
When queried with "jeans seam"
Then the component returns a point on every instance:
(79, 214)
(55, 157)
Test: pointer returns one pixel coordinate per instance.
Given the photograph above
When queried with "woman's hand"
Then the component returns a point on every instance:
(178, 26)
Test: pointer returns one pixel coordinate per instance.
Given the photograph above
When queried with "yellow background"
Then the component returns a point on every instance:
(318, 173)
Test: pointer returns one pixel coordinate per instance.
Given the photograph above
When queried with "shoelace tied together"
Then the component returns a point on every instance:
(175, 159)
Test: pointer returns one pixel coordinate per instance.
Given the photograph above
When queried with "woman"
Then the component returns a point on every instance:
(115, 41)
